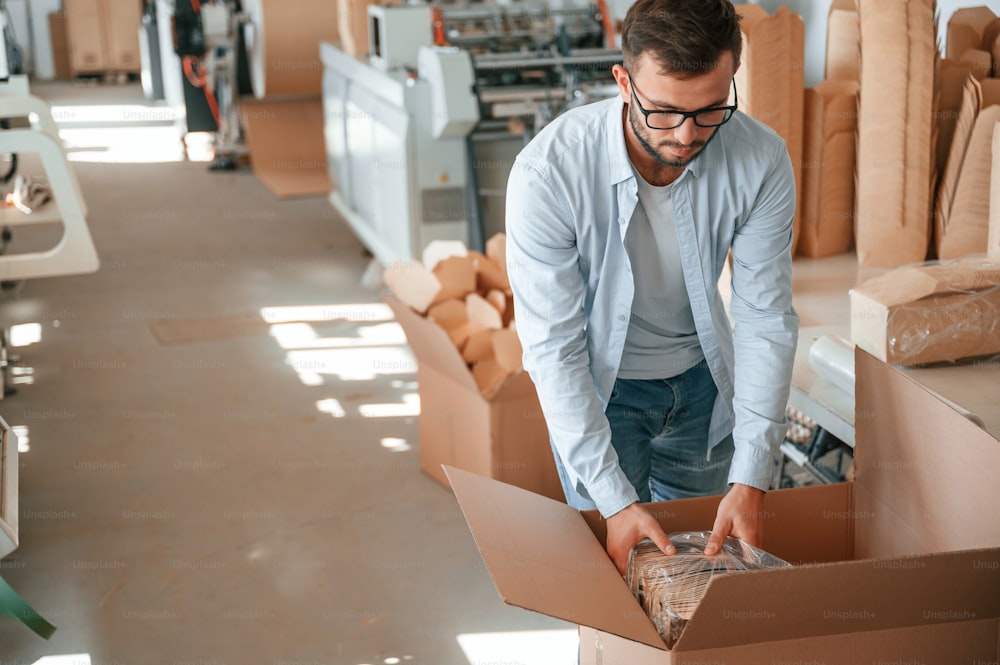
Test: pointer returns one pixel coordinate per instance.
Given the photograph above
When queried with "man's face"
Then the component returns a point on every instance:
(660, 92)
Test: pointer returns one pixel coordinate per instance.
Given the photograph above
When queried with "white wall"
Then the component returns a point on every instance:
(22, 28)
(44, 65)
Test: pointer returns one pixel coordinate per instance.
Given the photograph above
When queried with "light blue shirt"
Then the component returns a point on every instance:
(570, 198)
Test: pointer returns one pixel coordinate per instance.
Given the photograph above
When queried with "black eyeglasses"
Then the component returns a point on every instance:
(710, 117)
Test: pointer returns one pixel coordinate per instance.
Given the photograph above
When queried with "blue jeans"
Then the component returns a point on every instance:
(659, 428)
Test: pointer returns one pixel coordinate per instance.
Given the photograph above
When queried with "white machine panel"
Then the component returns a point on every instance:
(397, 186)
(395, 34)
(454, 106)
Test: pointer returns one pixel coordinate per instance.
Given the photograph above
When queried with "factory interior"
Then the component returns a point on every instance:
(263, 396)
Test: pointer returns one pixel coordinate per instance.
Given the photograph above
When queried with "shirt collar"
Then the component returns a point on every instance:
(619, 164)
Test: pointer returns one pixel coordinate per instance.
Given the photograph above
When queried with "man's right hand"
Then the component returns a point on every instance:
(627, 527)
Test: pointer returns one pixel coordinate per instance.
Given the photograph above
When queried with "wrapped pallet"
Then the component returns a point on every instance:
(896, 137)
(828, 183)
(771, 83)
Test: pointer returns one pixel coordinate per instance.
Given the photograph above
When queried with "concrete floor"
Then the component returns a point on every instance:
(209, 502)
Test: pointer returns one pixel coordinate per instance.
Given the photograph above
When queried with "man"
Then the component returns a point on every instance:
(620, 217)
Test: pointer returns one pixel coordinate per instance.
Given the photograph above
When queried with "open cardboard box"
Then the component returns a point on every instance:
(502, 436)
(900, 565)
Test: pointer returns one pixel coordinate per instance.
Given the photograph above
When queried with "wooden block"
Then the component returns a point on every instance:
(460, 335)
(496, 249)
(479, 347)
(482, 315)
(439, 250)
(498, 299)
(457, 276)
(412, 283)
(449, 314)
(507, 349)
(489, 275)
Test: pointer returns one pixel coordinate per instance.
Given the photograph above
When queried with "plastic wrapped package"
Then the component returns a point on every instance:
(930, 312)
(669, 588)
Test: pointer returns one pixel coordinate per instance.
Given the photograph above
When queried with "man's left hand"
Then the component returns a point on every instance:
(741, 515)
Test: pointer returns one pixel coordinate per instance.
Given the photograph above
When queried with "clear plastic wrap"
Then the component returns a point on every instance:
(936, 311)
(669, 588)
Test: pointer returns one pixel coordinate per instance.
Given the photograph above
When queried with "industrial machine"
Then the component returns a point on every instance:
(421, 136)
(209, 40)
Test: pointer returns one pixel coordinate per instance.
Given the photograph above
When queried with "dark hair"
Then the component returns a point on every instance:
(684, 37)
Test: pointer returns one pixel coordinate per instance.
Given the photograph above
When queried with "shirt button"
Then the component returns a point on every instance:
(621, 317)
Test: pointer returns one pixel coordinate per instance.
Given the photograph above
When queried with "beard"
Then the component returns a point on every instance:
(645, 138)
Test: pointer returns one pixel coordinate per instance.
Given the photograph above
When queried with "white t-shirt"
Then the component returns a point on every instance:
(662, 341)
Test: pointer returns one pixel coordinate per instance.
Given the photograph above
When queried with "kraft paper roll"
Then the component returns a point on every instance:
(833, 359)
(283, 41)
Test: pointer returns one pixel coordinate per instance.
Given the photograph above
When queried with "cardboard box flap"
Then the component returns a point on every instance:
(905, 285)
(926, 473)
(550, 563)
(831, 599)
(431, 343)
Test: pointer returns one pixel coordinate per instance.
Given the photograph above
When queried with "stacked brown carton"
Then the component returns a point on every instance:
(103, 35)
(962, 213)
(479, 409)
(60, 45)
(968, 111)
(842, 41)
(771, 80)
(830, 140)
(895, 131)
(973, 38)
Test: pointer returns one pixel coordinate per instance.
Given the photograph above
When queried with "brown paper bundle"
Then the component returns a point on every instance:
(967, 231)
(895, 141)
(284, 55)
(966, 29)
(980, 61)
(669, 588)
(951, 90)
(842, 42)
(771, 83)
(828, 186)
(976, 95)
